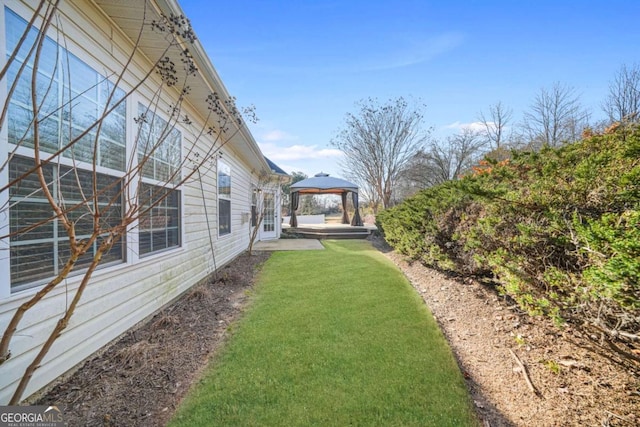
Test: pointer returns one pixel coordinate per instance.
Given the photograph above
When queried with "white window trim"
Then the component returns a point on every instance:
(219, 197)
(136, 99)
(5, 148)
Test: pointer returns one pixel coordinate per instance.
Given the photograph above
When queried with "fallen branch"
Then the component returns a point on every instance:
(611, 414)
(525, 374)
(616, 333)
(627, 354)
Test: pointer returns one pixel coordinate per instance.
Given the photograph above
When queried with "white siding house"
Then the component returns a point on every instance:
(206, 221)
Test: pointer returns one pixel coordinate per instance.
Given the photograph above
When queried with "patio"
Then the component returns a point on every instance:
(328, 231)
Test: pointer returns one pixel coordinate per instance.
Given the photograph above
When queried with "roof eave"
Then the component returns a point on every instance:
(243, 142)
(208, 72)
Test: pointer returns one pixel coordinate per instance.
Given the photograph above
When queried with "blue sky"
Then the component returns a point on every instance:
(305, 64)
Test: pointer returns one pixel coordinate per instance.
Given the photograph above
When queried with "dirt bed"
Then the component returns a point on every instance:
(140, 380)
(494, 341)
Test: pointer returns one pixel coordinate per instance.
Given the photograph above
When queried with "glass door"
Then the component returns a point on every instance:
(269, 221)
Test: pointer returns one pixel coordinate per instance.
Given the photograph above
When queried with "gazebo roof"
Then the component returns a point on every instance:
(322, 183)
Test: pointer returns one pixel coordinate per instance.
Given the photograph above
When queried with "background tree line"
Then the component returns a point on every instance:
(391, 154)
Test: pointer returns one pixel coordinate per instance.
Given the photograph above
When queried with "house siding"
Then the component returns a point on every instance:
(122, 295)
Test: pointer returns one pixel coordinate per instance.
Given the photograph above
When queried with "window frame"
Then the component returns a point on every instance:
(155, 215)
(224, 198)
(67, 92)
(156, 122)
(145, 180)
(64, 54)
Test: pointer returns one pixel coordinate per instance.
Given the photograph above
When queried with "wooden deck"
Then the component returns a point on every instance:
(327, 231)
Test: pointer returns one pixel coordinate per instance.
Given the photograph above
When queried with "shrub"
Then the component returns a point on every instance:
(558, 230)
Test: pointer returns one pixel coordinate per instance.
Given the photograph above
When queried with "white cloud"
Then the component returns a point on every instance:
(473, 126)
(297, 152)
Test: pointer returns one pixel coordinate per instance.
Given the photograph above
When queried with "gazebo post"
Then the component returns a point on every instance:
(356, 220)
(345, 214)
(295, 199)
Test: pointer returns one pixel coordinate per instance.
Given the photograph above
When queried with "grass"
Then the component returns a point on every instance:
(334, 337)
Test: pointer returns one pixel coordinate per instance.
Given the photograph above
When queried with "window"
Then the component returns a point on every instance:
(160, 225)
(254, 207)
(158, 147)
(224, 199)
(159, 154)
(71, 96)
(39, 243)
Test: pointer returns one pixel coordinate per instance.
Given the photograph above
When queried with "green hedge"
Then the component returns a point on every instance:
(558, 230)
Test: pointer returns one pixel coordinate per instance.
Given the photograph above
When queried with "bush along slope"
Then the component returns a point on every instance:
(557, 230)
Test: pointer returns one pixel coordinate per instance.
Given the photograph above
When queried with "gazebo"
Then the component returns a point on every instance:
(322, 183)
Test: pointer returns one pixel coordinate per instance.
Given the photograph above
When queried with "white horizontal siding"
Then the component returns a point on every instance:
(120, 296)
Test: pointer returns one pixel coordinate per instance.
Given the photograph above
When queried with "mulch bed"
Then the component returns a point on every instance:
(141, 378)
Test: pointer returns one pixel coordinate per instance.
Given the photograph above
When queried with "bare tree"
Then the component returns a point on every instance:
(369, 194)
(623, 101)
(444, 160)
(555, 117)
(69, 143)
(378, 142)
(450, 160)
(495, 123)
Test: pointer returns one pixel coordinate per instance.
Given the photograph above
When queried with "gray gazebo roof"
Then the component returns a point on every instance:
(322, 183)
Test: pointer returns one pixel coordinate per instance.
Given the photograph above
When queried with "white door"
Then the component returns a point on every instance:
(269, 221)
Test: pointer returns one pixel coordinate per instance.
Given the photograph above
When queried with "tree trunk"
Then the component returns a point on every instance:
(62, 323)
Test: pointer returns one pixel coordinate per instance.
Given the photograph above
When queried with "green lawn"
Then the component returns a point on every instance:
(334, 337)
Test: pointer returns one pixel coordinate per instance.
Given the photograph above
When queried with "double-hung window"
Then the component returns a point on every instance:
(70, 98)
(159, 156)
(224, 198)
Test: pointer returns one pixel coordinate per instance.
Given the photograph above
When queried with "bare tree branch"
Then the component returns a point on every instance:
(623, 101)
(445, 160)
(93, 209)
(495, 124)
(378, 142)
(556, 117)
